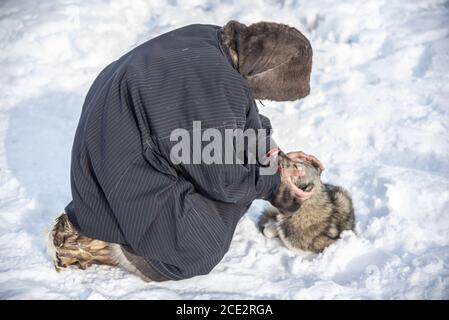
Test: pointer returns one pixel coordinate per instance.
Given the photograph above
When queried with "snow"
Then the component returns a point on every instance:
(377, 117)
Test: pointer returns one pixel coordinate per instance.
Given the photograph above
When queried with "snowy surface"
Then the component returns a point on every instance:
(377, 117)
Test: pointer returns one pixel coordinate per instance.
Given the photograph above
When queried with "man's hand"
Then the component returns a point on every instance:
(299, 155)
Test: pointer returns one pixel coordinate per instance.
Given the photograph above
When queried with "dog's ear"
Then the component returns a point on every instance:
(232, 32)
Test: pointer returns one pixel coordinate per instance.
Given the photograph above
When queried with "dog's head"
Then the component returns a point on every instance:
(284, 201)
(312, 174)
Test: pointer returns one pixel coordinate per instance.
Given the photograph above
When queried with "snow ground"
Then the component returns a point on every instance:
(377, 117)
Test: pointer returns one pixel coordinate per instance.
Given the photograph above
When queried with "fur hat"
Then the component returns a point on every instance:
(275, 59)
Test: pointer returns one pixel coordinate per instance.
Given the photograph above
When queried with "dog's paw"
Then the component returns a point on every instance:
(270, 230)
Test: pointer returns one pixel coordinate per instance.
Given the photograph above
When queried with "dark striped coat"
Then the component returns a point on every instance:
(180, 218)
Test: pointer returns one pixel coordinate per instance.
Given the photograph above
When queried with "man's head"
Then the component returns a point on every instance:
(275, 59)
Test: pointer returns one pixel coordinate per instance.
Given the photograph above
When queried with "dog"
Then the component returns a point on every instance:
(318, 221)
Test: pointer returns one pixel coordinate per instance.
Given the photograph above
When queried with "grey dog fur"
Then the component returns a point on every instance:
(315, 224)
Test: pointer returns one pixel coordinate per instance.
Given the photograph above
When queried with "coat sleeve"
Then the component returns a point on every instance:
(235, 183)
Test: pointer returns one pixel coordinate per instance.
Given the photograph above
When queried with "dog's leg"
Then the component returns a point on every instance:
(268, 223)
(270, 231)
